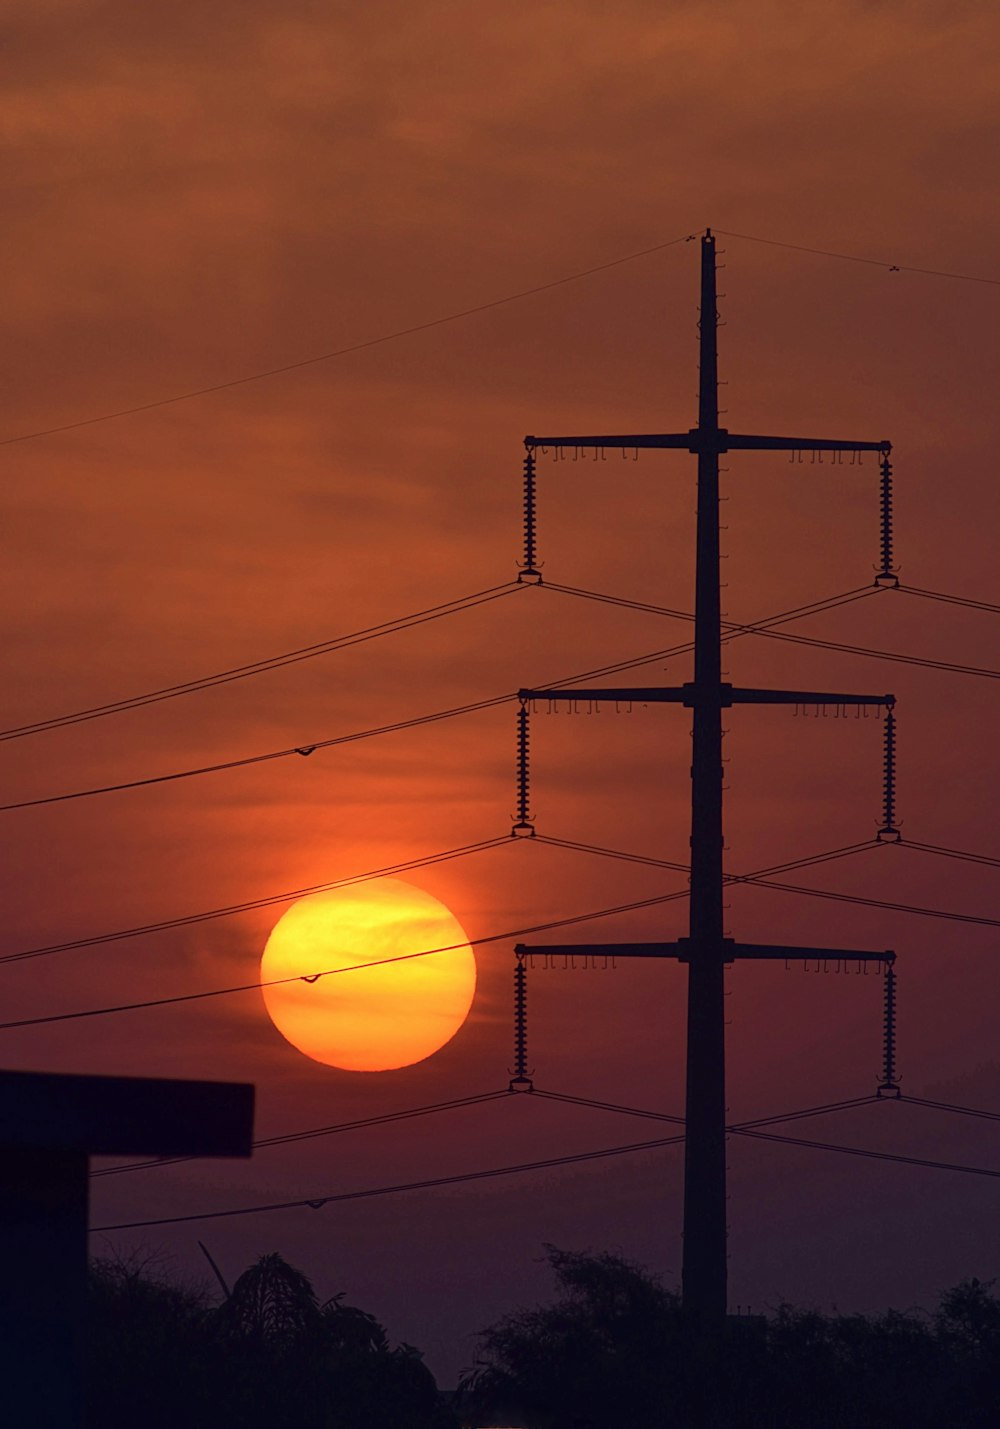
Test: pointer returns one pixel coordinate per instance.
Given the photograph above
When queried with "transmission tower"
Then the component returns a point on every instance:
(706, 950)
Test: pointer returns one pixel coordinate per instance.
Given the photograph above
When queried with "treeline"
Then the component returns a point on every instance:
(611, 1349)
(615, 1350)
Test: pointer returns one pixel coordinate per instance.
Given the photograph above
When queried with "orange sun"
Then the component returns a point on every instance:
(375, 1018)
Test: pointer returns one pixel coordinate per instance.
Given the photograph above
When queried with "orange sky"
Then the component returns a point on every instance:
(197, 193)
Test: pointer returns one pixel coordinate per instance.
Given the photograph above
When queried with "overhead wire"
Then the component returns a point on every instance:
(762, 878)
(893, 656)
(457, 316)
(510, 933)
(309, 747)
(267, 901)
(303, 750)
(858, 258)
(891, 1156)
(258, 667)
(405, 866)
(815, 607)
(317, 1202)
(548, 1163)
(959, 854)
(458, 1103)
(917, 909)
(393, 336)
(312, 1133)
(947, 599)
(765, 628)
(972, 1111)
(826, 1108)
(807, 861)
(633, 906)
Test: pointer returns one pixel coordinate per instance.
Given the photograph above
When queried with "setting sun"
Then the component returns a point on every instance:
(371, 1018)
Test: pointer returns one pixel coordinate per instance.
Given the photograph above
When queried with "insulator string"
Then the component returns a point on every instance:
(890, 1083)
(889, 833)
(521, 1080)
(887, 573)
(529, 571)
(523, 825)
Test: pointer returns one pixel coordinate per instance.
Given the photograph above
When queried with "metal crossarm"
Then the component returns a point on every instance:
(715, 439)
(599, 950)
(690, 694)
(789, 953)
(679, 441)
(676, 696)
(680, 950)
(804, 697)
(737, 442)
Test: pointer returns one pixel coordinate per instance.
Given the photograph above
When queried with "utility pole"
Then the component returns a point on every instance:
(706, 950)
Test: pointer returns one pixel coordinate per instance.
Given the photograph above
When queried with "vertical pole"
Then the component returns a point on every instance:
(704, 1263)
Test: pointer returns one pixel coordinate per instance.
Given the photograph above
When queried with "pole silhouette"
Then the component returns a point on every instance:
(706, 950)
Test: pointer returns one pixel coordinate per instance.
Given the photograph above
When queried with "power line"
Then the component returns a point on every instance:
(869, 1155)
(636, 905)
(951, 1107)
(950, 599)
(764, 628)
(949, 666)
(426, 860)
(363, 1123)
(309, 747)
(856, 258)
(303, 750)
(848, 1104)
(825, 1109)
(286, 1138)
(464, 313)
(981, 858)
(762, 879)
(275, 662)
(345, 351)
(318, 1202)
(809, 861)
(405, 866)
(511, 933)
(891, 907)
(816, 607)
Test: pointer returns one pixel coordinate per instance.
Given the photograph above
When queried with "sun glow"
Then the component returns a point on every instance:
(374, 1018)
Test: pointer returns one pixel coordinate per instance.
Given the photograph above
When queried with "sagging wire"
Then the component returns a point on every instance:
(887, 575)
(523, 826)
(529, 573)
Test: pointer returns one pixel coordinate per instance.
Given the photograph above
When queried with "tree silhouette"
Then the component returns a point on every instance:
(599, 1355)
(614, 1348)
(271, 1355)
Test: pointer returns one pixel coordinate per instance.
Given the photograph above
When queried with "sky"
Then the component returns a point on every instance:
(196, 195)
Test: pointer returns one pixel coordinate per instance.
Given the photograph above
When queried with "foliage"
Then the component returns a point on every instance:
(270, 1355)
(614, 1348)
(599, 1355)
